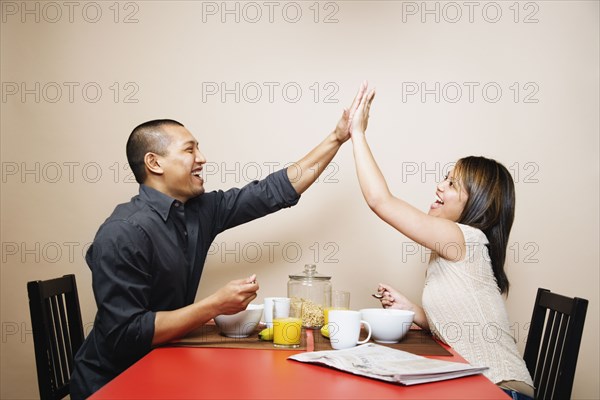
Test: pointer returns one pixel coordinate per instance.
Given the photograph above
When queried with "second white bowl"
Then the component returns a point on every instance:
(388, 325)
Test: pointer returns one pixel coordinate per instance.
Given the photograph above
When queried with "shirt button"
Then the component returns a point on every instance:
(185, 233)
(176, 204)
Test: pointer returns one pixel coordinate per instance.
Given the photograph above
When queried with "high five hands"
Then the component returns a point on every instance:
(356, 117)
(360, 117)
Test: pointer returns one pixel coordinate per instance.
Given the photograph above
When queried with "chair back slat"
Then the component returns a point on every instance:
(543, 351)
(553, 343)
(560, 345)
(75, 321)
(548, 351)
(57, 332)
(65, 322)
(51, 341)
(54, 341)
(59, 362)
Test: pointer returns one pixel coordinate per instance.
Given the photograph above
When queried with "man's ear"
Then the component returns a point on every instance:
(152, 162)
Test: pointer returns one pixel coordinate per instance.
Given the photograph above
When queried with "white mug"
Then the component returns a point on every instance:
(268, 310)
(344, 329)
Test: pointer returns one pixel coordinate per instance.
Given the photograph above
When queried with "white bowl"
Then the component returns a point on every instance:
(242, 324)
(388, 325)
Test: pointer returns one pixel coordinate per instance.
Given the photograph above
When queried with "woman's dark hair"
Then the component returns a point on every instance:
(148, 137)
(490, 206)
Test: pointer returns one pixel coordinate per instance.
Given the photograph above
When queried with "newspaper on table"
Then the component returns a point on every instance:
(389, 364)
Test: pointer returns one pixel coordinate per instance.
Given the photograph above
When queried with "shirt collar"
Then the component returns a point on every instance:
(158, 201)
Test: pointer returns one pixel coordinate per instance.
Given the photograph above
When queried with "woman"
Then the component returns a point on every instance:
(467, 229)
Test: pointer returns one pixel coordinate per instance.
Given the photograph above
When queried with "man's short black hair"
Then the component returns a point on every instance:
(148, 137)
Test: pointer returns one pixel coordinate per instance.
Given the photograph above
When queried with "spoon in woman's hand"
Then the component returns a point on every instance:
(378, 296)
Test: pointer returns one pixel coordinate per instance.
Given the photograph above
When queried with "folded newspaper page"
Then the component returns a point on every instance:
(387, 364)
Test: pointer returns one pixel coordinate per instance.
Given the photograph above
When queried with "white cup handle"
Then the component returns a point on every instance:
(368, 335)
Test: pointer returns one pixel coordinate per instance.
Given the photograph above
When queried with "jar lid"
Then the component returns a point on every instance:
(310, 272)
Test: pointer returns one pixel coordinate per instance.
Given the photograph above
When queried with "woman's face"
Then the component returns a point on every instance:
(450, 199)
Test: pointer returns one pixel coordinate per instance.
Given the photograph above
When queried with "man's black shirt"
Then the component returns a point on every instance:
(147, 257)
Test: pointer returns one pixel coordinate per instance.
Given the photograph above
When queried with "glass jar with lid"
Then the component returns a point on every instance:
(311, 291)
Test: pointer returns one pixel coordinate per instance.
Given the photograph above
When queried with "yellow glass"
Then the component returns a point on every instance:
(287, 332)
(340, 300)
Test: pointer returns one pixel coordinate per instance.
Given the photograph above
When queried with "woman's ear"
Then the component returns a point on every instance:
(152, 162)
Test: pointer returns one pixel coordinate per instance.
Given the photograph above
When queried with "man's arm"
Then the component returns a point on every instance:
(232, 298)
(280, 189)
(306, 171)
(120, 261)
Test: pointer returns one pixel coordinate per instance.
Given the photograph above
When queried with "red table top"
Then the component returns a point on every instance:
(216, 373)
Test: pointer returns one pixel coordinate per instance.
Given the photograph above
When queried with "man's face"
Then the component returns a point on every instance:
(182, 165)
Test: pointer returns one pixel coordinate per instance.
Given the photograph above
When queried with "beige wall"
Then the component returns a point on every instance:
(63, 158)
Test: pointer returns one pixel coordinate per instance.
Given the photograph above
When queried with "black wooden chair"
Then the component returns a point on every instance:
(553, 343)
(57, 332)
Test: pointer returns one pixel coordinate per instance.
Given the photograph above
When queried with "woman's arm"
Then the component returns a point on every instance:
(394, 299)
(440, 235)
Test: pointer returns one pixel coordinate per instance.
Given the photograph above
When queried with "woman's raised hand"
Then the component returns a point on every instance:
(344, 125)
(360, 117)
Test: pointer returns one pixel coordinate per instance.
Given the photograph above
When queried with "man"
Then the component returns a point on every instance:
(147, 257)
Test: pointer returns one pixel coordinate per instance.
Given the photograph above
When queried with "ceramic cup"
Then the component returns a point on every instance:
(344, 329)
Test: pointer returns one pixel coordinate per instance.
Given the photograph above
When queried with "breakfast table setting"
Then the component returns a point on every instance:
(385, 335)
(275, 348)
(415, 340)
